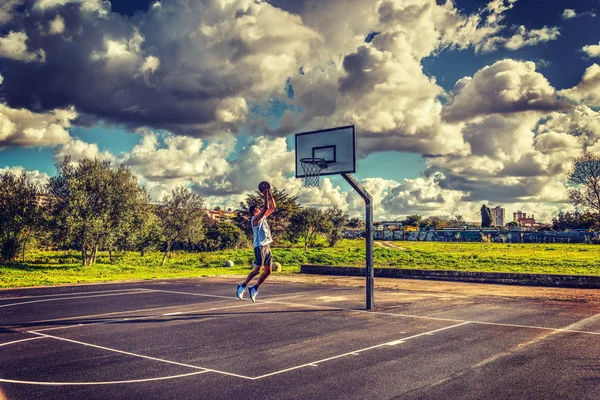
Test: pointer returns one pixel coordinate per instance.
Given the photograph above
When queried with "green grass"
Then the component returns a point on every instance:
(64, 267)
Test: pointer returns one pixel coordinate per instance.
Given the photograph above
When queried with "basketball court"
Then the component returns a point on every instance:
(194, 339)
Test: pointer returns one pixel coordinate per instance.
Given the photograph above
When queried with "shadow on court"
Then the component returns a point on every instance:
(193, 339)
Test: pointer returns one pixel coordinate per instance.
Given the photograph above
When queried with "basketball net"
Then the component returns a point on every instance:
(312, 170)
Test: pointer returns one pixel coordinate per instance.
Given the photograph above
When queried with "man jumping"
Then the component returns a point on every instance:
(262, 240)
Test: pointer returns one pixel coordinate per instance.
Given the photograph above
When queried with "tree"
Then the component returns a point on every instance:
(583, 182)
(147, 229)
(94, 205)
(126, 206)
(356, 223)
(19, 214)
(287, 206)
(412, 220)
(338, 219)
(437, 222)
(576, 220)
(223, 235)
(307, 224)
(181, 218)
(457, 221)
(486, 216)
(512, 224)
(81, 209)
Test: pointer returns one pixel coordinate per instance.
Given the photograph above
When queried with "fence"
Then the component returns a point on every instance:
(475, 235)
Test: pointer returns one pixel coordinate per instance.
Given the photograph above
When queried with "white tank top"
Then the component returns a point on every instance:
(262, 233)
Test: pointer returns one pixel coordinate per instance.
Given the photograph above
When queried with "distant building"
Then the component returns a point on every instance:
(521, 218)
(220, 215)
(498, 216)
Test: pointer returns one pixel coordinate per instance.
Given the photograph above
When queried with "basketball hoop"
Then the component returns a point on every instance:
(312, 170)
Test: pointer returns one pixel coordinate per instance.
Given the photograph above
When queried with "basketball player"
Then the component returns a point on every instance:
(262, 240)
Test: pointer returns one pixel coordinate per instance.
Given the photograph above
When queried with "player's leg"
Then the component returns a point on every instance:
(267, 258)
(241, 288)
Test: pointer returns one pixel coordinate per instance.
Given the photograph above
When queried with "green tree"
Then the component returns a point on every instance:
(181, 217)
(356, 223)
(457, 221)
(338, 219)
(94, 205)
(126, 206)
(287, 206)
(436, 222)
(307, 224)
(81, 206)
(19, 214)
(512, 224)
(412, 220)
(486, 216)
(583, 182)
(147, 230)
(223, 235)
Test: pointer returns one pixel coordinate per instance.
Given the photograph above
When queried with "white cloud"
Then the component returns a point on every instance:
(588, 90)
(6, 8)
(21, 127)
(592, 50)
(569, 13)
(507, 86)
(78, 149)
(57, 25)
(40, 178)
(13, 46)
(524, 38)
(149, 66)
(102, 7)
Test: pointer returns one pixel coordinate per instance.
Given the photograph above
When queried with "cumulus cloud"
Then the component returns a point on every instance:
(77, 149)
(100, 6)
(507, 86)
(14, 46)
(40, 178)
(569, 13)
(201, 63)
(57, 25)
(592, 50)
(588, 90)
(20, 127)
(524, 37)
(6, 8)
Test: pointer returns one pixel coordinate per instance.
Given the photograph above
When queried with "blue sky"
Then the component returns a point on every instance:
(455, 103)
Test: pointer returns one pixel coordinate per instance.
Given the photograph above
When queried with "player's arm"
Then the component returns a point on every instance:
(264, 211)
(271, 204)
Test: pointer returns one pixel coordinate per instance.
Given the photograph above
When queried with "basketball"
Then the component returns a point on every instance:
(264, 185)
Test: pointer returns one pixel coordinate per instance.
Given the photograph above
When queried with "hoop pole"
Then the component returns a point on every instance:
(370, 273)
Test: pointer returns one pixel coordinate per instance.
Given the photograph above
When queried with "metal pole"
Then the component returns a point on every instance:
(368, 233)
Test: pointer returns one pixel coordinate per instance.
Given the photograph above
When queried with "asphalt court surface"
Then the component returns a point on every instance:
(193, 339)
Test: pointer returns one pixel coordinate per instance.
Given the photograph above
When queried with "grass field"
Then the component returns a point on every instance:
(52, 268)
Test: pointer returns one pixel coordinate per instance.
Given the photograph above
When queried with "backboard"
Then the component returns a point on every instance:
(337, 146)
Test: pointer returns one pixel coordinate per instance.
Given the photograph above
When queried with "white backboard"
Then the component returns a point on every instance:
(336, 145)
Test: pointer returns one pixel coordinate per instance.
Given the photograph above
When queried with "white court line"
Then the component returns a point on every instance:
(115, 313)
(139, 355)
(71, 294)
(125, 319)
(115, 350)
(355, 352)
(19, 341)
(439, 319)
(75, 297)
(407, 315)
(101, 383)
